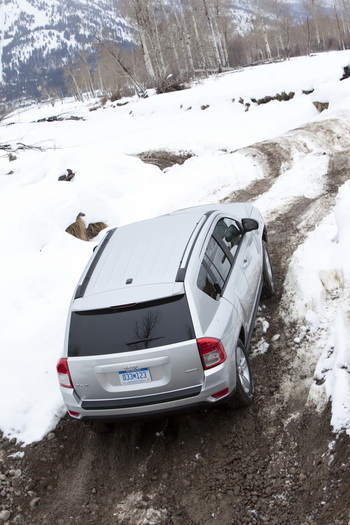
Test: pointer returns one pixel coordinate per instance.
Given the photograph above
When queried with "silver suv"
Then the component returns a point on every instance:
(163, 314)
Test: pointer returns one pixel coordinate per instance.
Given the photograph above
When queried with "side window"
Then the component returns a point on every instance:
(217, 261)
(214, 269)
(229, 232)
(205, 282)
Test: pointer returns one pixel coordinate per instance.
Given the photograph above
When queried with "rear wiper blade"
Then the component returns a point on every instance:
(144, 340)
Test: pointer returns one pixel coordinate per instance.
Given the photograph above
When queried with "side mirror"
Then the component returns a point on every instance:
(249, 225)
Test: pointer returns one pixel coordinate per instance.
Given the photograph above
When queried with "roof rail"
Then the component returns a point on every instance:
(82, 287)
(180, 276)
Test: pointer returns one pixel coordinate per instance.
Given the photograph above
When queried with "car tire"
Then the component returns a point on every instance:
(244, 392)
(268, 276)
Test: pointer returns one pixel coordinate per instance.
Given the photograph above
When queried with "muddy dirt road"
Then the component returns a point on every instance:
(276, 462)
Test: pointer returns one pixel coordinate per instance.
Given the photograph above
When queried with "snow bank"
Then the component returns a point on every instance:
(318, 289)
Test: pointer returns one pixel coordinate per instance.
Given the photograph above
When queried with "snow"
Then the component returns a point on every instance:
(40, 263)
(322, 297)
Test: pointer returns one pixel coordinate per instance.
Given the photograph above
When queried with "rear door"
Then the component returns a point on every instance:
(133, 351)
(243, 282)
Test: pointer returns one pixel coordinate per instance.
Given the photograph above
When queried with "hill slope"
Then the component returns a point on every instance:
(38, 37)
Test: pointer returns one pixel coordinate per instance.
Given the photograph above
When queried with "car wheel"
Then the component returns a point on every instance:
(244, 393)
(268, 277)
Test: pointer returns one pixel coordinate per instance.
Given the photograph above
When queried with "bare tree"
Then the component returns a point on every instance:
(313, 20)
(2, 30)
(114, 67)
(185, 36)
(73, 82)
(264, 49)
(213, 36)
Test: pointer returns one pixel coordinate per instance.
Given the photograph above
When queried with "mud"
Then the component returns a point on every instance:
(276, 462)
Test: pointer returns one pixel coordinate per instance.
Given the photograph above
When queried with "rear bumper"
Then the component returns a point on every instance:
(139, 402)
(153, 415)
(147, 407)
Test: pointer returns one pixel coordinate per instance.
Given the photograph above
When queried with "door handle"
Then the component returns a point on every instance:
(245, 263)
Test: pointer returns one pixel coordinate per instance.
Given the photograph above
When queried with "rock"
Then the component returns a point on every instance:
(70, 175)
(35, 503)
(16, 482)
(5, 515)
(93, 507)
(321, 106)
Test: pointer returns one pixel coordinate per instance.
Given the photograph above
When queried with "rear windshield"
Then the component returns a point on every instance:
(123, 329)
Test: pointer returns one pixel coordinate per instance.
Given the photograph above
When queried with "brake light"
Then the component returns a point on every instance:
(212, 352)
(63, 373)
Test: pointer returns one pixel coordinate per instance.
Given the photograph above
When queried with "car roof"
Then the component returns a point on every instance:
(146, 253)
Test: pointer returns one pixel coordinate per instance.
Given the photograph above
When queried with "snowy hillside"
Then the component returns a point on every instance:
(218, 123)
(39, 36)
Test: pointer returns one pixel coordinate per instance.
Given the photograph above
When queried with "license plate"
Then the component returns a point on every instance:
(141, 375)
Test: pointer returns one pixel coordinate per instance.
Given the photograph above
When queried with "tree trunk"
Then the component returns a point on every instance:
(186, 53)
(263, 31)
(317, 31)
(219, 36)
(341, 39)
(140, 91)
(188, 40)
(146, 54)
(155, 42)
(215, 47)
(140, 17)
(345, 19)
(201, 54)
(78, 92)
(2, 30)
(168, 28)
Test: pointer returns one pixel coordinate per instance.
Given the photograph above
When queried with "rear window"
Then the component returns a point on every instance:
(124, 329)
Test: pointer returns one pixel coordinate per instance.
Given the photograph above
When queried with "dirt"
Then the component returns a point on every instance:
(276, 462)
(163, 158)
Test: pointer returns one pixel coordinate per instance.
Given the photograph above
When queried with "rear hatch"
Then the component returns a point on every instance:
(134, 355)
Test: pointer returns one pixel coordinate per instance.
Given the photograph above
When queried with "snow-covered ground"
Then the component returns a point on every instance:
(40, 263)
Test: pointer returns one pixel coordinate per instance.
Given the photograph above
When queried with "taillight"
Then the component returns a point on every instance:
(63, 373)
(212, 352)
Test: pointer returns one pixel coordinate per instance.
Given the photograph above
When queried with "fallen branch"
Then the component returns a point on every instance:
(26, 146)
